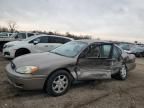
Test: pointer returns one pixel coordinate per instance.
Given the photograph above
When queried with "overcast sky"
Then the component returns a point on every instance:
(106, 19)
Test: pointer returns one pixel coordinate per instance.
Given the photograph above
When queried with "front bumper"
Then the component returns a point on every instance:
(9, 53)
(25, 81)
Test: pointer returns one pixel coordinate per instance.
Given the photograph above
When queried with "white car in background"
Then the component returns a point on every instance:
(8, 37)
(34, 44)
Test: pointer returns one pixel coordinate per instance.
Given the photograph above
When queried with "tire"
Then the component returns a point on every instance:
(58, 83)
(141, 55)
(122, 74)
(20, 52)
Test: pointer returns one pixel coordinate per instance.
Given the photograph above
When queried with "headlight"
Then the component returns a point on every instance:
(27, 69)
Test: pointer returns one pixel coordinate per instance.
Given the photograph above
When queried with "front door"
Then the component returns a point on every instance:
(96, 64)
(42, 44)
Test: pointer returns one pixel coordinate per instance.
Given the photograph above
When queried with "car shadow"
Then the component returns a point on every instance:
(90, 84)
(17, 93)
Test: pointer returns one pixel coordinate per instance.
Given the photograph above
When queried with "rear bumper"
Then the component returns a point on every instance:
(25, 82)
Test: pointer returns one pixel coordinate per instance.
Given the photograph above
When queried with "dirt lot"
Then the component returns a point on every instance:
(99, 94)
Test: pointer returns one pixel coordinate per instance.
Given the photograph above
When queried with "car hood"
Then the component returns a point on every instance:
(15, 42)
(41, 60)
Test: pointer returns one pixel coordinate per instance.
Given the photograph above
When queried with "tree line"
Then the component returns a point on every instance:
(12, 26)
(67, 34)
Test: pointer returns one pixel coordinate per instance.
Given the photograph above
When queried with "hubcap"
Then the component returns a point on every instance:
(123, 71)
(60, 83)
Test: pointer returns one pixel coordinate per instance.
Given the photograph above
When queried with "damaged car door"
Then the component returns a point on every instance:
(117, 59)
(95, 62)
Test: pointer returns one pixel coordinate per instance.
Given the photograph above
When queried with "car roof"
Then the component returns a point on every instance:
(89, 41)
(53, 36)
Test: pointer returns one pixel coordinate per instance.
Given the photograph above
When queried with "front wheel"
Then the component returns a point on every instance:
(58, 83)
(21, 52)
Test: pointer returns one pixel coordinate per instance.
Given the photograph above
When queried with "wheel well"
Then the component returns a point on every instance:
(119, 69)
(54, 72)
(24, 50)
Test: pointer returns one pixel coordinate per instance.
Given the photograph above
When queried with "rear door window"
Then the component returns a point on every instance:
(43, 39)
(52, 39)
(61, 40)
(116, 52)
(105, 50)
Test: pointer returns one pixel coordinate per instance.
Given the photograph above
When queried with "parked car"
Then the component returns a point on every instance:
(54, 71)
(126, 47)
(137, 51)
(16, 36)
(8, 37)
(34, 44)
(5, 34)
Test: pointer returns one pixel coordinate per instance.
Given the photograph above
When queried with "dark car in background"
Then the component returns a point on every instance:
(126, 46)
(137, 51)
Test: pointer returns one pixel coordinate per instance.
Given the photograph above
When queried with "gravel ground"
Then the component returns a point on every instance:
(98, 94)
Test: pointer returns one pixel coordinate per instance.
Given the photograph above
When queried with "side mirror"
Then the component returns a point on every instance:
(35, 42)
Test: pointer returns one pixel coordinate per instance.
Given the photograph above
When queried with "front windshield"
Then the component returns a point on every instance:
(70, 49)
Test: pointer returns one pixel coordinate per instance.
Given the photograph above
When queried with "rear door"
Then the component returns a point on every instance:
(96, 64)
(116, 59)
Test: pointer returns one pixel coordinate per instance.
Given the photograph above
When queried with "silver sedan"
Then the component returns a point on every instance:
(77, 60)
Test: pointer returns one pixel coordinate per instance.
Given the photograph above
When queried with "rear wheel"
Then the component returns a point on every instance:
(141, 55)
(58, 83)
(138, 55)
(122, 74)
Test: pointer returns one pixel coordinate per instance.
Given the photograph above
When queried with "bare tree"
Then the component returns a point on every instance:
(12, 26)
